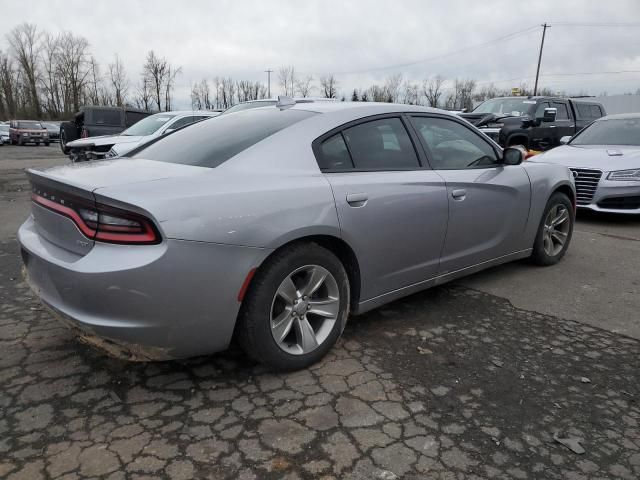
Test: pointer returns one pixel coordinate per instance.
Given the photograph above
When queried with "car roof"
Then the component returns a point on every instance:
(188, 112)
(367, 108)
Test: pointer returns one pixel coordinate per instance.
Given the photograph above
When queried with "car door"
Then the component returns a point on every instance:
(488, 201)
(542, 133)
(565, 124)
(392, 211)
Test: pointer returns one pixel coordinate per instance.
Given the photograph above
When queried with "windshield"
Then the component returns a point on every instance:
(4, 128)
(248, 105)
(30, 125)
(506, 106)
(610, 132)
(149, 125)
(208, 144)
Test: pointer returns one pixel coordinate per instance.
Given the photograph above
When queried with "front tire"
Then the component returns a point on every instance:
(555, 231)
(295, 309)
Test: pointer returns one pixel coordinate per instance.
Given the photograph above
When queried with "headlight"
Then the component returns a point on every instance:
(632, 175)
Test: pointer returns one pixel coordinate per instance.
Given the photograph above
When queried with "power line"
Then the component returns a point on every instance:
(444, 55)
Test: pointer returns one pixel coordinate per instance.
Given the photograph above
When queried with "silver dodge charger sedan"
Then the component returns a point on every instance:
(605, 161)
(271, 225)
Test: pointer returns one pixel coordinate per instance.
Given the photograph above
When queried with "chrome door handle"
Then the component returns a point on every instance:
(459, 194)
(357, 199)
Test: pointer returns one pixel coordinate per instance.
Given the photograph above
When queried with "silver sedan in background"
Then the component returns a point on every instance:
(605, 161)
(273, 224)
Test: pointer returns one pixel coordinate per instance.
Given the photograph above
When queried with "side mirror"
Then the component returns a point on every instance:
(564, 140)
(549, 115)
(513, 155)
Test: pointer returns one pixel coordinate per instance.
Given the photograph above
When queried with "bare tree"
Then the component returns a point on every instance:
(287, 80)
(73, 67)
(118, 81)
(144, 95)
(169, 83)
(24, 40)
(304, 86)
(392, 85)
(329, 86)
(411, 93)
(155, 70)
(432, 90)
(8, 86)
(94, 80)
(51, 83)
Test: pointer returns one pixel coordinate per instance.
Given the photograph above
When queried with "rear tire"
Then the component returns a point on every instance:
(46, 144)
(269, 312)
(68, 133)
(555, 231)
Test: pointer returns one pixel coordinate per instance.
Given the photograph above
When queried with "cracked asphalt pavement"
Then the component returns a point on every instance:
(451, 383)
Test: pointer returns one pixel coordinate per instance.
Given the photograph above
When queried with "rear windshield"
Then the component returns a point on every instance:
(610, 132)
(208, 144)
(30, 125)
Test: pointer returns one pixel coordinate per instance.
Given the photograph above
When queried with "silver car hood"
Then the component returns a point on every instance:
(106, 140)
(602, 157)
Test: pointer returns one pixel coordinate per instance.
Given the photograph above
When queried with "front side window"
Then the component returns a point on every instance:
(540, 109)
(453, 146)
(381, 145)
(563, 113)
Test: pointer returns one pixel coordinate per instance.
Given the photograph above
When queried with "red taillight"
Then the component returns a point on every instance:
(104, 223)
(84, 133)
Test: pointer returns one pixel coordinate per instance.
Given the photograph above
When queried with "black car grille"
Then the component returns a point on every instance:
(586, 184)
(620, 203)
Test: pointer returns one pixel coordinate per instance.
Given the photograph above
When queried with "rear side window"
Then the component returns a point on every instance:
(588, 111)
(104, 117)
(209, 144)
(334, 154)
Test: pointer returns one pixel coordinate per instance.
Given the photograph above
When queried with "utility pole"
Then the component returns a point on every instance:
(268, 72)
(544, 30)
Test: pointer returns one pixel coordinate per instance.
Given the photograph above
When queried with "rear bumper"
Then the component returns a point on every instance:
(155, 302)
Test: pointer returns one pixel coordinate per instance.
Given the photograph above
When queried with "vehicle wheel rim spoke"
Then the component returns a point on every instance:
(281, 326)
(325, 308)
(288, 291)
(560, 218)
(560, 237)
(305, 335)
(316, 279)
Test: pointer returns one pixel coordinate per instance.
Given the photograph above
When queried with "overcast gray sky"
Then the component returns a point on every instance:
(357, 40)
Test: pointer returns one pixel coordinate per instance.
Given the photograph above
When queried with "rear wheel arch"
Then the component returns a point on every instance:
(340, 249)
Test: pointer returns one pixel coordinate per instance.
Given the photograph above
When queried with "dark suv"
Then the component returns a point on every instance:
(26, 131)
(93, 121)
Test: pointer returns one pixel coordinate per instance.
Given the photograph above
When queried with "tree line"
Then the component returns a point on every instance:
(43, 75)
